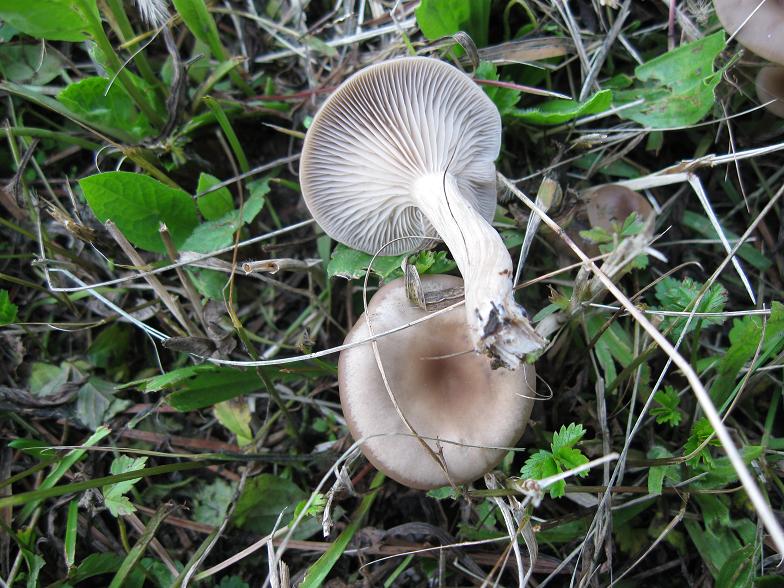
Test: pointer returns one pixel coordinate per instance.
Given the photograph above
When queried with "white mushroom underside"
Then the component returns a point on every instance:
(386, 127)
(459, 400)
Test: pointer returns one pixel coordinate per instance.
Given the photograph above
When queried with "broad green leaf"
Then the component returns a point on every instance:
(264, 498)
(613, 345)
(677, 86)
(96, 403)
(211, 502)
(54, 20)
(504, 99)
(715, 547)
(200, 23)
(8, 311)
(138, 204)
(114, 494)
(89, 99)
(209, 283)
(744, 339)
(110, 348)
(29, 64)
(555, 112)
(738, 570)
(213, 235)
(656, 474)
(215, 204)
(235, 416)
(48, 380)
(700, 431)
(439, 18)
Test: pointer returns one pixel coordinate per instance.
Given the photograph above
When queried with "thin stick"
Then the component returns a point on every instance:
(758, 500)
(154, 282)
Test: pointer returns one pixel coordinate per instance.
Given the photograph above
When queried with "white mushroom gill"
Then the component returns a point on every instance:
(403, 152)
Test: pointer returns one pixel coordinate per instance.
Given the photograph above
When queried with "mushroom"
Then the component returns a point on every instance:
(770, 86)
(612, 204)
(403, 152)
(443, 392)
(756, 24)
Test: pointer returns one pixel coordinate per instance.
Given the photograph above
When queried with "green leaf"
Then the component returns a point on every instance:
(678, 296)
(567, 437)
(235, 416)
(442, 493)
(702, 225)
(505, 99)
(96, 403)
(744, 339)
(96, 564)
(352, 264)
(216, 234)
(209, 283)
(110, 348)
(555, 112)
(29, 64)
(47, 379)
(542, 465)
(114, 494)
(211, 502)
(215, 204)
(8, 311)
(138, 205)
(264, 498)
(677, 86)
(715, 547)
(738, 570)
(89, 99)
(667, 412)
(54, 20)
(439, 18)
(700, 431)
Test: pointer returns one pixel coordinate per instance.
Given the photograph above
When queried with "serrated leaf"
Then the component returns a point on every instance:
(677, 86)
(667, 412)
(89, 99)
(215, 204)
(54, 20)
(439, 18)
(569, 458)
(700, 431)
(138, 205)
(679, 296)
(555, 112)
(113, 494)
(539, 465)
(211, 502)
(8, 310)
(567, 436)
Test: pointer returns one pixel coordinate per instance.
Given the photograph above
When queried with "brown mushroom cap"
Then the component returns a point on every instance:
(770, 86)
(613, 204)
(762, 33)
(459, 399)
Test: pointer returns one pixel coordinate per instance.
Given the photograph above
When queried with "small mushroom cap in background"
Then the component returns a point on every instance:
(459, 399)
(770, 86)
(613, 204)
(762, 33)
(385, 127)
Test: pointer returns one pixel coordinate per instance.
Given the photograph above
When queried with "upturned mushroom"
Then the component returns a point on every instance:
(403, 153)
(461, 407)
(757, 25)
(610, 205)
(770, 86)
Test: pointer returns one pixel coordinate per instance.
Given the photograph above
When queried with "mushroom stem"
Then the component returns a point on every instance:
(499, 327)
